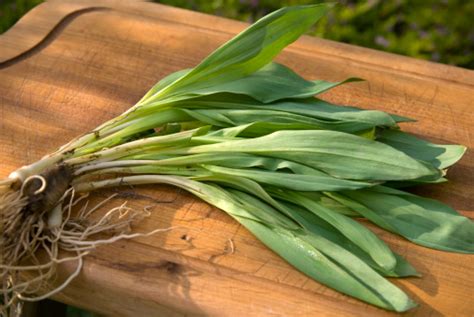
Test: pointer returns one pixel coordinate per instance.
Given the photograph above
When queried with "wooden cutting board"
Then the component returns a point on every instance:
(67, 66)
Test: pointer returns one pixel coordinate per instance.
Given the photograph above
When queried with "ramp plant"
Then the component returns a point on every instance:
(246, 135)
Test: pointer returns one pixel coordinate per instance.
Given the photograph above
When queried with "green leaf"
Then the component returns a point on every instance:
(398, 118)
(351, 229)
(270, 83)
(154, 143)
(166, 81)
(340, 269)
(310, 107)
(251, 187)
(274, 82)
(317, 225)
(332, 204)
(298, 249)
(247, 52)
(259, 121)
(338, 154)
(424, 221)
(440, 156)
(155, 120)
(233, 160)
(298, 182)
(343, 271)
(310, 222)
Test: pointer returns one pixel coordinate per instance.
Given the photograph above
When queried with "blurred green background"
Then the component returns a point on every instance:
(437, 30)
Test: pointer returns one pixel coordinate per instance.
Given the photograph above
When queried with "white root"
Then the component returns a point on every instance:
(57, 289)
(55, 217)
(33, 177)
(24, 276)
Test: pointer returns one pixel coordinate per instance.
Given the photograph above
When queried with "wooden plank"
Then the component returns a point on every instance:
(70, 66)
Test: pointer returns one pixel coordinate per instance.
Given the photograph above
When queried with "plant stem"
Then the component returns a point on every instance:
(36, 168)
(179, 181)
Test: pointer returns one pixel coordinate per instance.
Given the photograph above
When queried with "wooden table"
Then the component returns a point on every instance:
(67, 66)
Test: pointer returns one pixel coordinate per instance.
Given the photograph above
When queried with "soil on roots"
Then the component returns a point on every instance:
(31, 250)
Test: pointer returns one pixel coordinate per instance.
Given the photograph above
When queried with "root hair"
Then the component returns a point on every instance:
(25, 274)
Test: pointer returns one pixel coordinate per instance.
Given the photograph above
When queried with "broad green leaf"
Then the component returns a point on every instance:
(264, 212)
(247, 52)
(274, 82)
(340, 269)
(233, 160)
(309, 221)
(239, 160)
(317, 225)
(318, 108)
(421, 220)
(270, 83)
(250, 187)
(310, 107)
(440, 156)
(354, 278)
(263, 121)
(402, 184)
(300, 182)
(298, 249)
(260, 128)
(339, 154)
(351, 229)
(332, 204)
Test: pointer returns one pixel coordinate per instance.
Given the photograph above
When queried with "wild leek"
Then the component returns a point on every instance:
(248, 136)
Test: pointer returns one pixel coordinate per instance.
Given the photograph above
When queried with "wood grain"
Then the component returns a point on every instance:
(70, 65)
